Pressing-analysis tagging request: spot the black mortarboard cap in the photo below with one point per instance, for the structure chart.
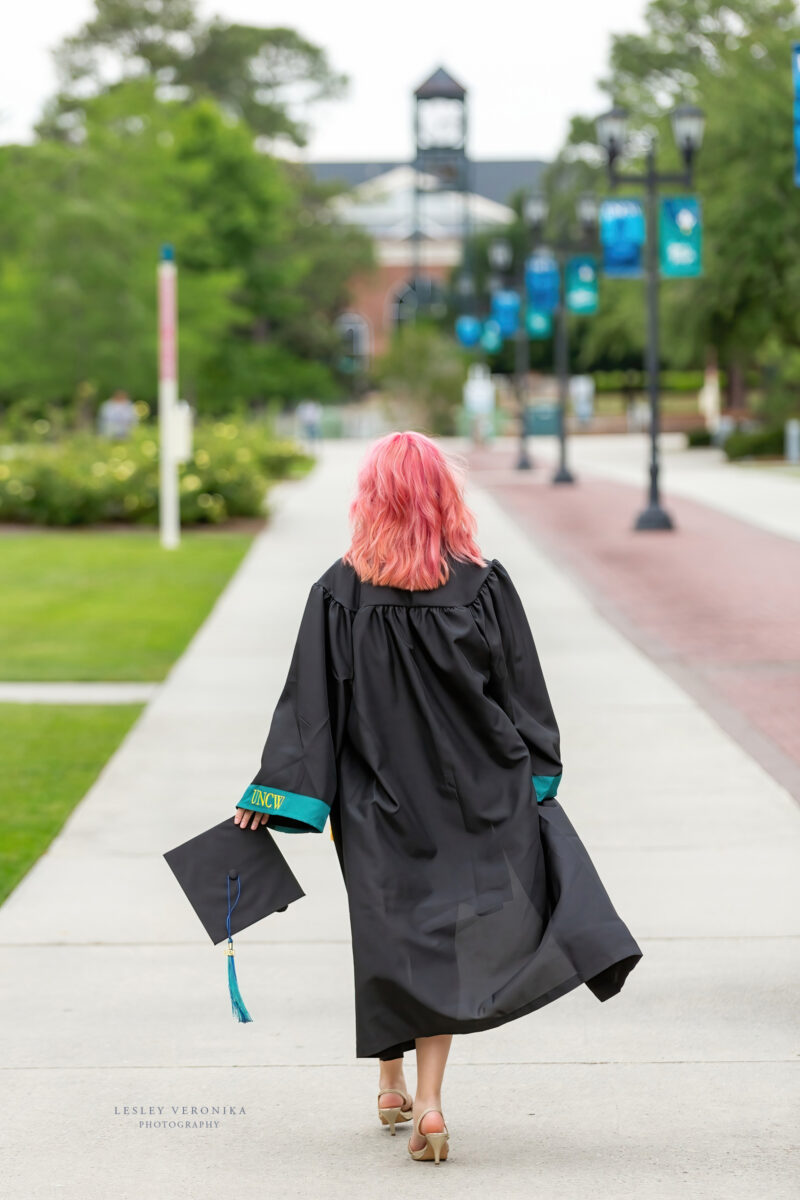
(232, 878)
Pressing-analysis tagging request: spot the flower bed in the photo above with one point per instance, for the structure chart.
(84, 479)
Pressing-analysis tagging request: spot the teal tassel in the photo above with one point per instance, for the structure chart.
(237, 1003)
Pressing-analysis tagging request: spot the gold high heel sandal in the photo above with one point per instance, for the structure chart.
(390, 1116)
(436, 1144)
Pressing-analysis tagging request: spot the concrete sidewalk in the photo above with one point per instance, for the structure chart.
(77, 693)
(714, 603)
(686, 1084)
(768, 499)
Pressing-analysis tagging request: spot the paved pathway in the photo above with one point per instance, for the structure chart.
(768, 499)
(716, 602)
(686, 1084)
(77, 693)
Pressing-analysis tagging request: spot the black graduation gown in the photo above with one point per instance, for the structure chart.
(420, 723)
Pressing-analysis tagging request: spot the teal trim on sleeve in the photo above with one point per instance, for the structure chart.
(545, 786)
(278, 804)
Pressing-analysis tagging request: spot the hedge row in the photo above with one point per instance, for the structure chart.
(743, 443)
(84, 479)
(753, 443)
(670, 381)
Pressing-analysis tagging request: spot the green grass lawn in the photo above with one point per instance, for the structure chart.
(106, 605)
(51, 754)
(789, 470)
(613, 403)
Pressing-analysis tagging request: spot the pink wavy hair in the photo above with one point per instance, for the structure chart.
(408, 515)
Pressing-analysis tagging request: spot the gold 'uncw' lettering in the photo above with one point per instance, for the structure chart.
(268, 799)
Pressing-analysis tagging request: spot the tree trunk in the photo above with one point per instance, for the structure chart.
(736, 388)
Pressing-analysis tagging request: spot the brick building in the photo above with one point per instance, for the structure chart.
(381, 200)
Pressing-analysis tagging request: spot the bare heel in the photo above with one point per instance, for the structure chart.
(436, 1144)
(390, 1116)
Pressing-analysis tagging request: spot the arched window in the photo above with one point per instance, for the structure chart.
(408, 299)
(356, 341)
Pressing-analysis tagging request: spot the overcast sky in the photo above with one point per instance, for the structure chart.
(527, 66)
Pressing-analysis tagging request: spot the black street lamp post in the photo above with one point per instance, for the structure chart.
(501, 257)
(534, 212)
(586, 209)
(687, 127)
(522, 366)
(562, 473)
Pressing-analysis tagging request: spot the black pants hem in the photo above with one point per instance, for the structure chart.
(396, 1051)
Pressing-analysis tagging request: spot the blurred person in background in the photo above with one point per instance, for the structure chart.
(309, 414)
(117, 416)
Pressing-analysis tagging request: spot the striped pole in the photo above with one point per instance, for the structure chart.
(169, 519)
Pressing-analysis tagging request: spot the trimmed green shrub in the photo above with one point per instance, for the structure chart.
(698, 437)
(86, 479)
(754, 443)
(670, 381)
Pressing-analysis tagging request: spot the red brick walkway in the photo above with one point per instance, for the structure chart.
(716, 601)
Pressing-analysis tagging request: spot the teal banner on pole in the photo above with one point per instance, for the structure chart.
(492, 336)
(580, 289)
(796, 109)
(680, 237)
(538, 323)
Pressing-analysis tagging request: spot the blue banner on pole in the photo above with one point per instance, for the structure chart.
(468, 330)
(542, 282)
(505, 310)
(796, 95)
(622, 233)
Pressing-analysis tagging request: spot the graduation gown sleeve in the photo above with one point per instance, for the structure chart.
(518, 680)
(297, 781)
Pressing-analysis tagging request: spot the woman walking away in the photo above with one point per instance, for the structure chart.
(415, 715)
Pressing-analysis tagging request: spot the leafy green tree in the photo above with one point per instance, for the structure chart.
(747, 301)
(77, 286)
(734, 61)
(257, 75)
(684, 42)
(80, 231)
(252, 72)
(426, 368)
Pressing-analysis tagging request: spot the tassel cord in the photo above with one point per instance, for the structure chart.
(237, 1003)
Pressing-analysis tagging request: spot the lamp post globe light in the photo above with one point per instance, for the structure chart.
(611, 128)
(465, 287)
(535, 210)
(688, 124)
(587, 209)
(500, 254)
